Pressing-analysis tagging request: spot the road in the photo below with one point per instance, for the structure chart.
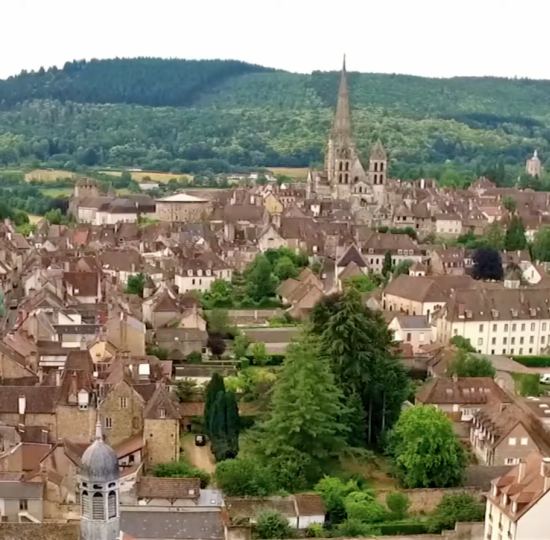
(199, 456)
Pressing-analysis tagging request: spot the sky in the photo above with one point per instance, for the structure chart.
(437, 38)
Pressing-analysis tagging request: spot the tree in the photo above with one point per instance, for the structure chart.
(135, 285)
(259, 352)
(245, 477)
(260, 283)
(470, 365)
(323, 310)
(403, 267)
(333, 491)
(426, 450)
(387, 267)
(398, 505)
(213, 388)
(221, 294)
(462, 343)
(240, 345)
(218, 428)
(218, 322)
(359, 347)
(55, 217)
(181, 469)
(362, 505)
(185, 390)
(272, 524)
(362, 284)
(305, 409)
(285, 269)
(494, 236)
(216, 344)
(515, 235)
(509, 203)
(487, 264)
(541, 245)
(460, 507)
(233, 424)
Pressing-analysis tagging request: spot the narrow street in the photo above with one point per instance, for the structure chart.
(199, 456)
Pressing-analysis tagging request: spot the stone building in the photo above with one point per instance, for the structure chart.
(533, 165)
(182, 208)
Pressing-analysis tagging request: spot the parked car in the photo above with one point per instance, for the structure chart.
(200, 440)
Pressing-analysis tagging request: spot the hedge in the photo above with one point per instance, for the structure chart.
(273, 359)
(401, 527)
(533, 361)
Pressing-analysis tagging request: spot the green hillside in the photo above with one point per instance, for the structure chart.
(190, 116)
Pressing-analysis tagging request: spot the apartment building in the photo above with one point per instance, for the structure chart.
(518, 503)
(498, 321)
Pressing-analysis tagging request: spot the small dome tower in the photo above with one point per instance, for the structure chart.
(99, 491)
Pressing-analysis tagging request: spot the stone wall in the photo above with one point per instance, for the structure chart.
(40, 531)
(162, 438)
(426, 500)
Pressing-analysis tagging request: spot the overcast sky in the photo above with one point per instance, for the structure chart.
(438, 38)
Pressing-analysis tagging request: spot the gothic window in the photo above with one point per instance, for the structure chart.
(376, 167)
(340, 178)
(341, 165)
(376, 179)
(347, 179)
(98, 509)
(382, 166)
(347, 165)
(111, 503)
(85, 504)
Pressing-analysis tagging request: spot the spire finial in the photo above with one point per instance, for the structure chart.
(535, 153)
(98, 430)
(344, 63)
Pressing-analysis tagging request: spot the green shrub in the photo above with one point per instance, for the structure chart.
(398, 504)
(316, 530)
(333, 491)
(245, 477)
(195, 357)
(454, 508)
(533, 361)
(181, 469)
(352, 528)
(362, 506)
(272, 524)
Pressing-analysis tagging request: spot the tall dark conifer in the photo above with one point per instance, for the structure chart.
(215, 386)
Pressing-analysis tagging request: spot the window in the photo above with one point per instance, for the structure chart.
(494, 327)
(513, 341)
(532, 327)
(512, 441)
(162, 413)
(108, 423)
(506, 328)
(514, 327)
(492, 351)
(494, 341)
(193, 281)
(23, 505)
(512, 351)
(98, 510)
(524, 441)
(481, 328)
(521, 340)
(510, 461)
(544, 327)
(521, 350)
(123, 403)
(111, 504)
(504, 341)
(85, 504)
(542, 339)
(408, 337)
(480, 341)
(523, 327)
(531, 340)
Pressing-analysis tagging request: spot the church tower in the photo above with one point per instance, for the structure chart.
(341, 154)
(99, 491)
(533, 166)
(378, 170)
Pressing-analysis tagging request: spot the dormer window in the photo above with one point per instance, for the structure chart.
(189, 272)
(514, 312)
(533, 312)
(199, 272)
(208, 272)
(162, 413)
(83, 400)
(400, 252)
(371, 250)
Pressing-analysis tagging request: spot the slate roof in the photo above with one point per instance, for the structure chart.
(171, 525)
(21, 490)
(465, 390)
(39, 399)
(151, 487)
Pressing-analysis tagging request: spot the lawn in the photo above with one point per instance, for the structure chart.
(35, 219)
(155, 176)
(298, 173)
(56, 193)
(47, 175)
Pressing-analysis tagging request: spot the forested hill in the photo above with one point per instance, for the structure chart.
(191, 116)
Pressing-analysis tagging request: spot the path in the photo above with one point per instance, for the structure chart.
(199, 456)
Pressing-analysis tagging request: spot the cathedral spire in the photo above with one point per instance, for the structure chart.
(341, 127)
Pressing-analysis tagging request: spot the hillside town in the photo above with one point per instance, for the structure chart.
(118, 326)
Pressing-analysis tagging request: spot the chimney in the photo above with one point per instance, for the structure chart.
(455, 378)
(58, 378)
(545, 472)
(521, 471)
(40, 375)
(67, 266)
(83, 346)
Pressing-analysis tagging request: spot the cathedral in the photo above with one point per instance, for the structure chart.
(344, 176)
